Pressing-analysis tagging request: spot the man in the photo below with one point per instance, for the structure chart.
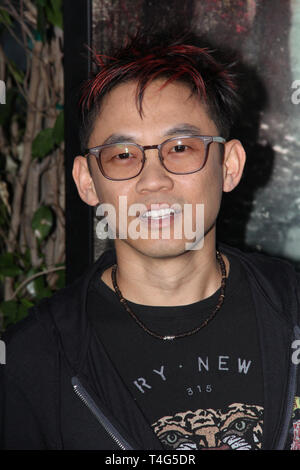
(170, 341)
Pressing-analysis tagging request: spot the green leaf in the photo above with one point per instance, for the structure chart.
(5, 18)
(41, 3)
(25, 259)
(45, 292)
(42, 222)
(38, 287)
(23, 308)
(43, 143)
(16, 73)
(30, 286)
(58, 130)
(26, 303)
(35, 286)
(8, 266)
(14, 311)
(54, 13)
(9, 309)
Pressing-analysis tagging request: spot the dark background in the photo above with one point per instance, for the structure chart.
(263, 212)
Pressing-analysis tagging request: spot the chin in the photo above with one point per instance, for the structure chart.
(159, 249)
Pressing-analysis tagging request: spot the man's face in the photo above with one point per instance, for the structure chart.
(169, 112)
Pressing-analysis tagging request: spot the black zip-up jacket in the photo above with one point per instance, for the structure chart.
(47, 401)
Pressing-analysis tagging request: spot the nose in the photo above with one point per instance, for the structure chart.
(154, 177)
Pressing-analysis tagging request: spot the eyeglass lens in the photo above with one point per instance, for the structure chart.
(183, 155)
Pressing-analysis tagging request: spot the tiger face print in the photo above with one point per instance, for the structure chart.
(237, 427)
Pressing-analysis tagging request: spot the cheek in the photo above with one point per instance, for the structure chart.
(214, 177)
(214, 185)
(106, 194)
(109, 192)
(206, 188)
(213, 195)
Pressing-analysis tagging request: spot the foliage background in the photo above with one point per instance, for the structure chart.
(32, 192)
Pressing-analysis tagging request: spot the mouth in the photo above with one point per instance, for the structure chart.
(160, 216)
(160, 212)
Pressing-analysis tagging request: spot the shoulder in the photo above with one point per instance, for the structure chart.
(33, 343)
(29, 352)
(57, 323)
(269, 266)
(274, 278)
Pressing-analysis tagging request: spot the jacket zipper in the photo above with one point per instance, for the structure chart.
(290, 399)
(101, 418)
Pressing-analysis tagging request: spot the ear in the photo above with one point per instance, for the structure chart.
(84, 181)
(233, 164)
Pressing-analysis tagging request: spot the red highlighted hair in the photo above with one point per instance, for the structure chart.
(145, 59)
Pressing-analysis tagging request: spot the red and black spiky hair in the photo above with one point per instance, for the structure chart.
(149, 57)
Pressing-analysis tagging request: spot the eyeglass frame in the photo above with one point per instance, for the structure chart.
(207, 139)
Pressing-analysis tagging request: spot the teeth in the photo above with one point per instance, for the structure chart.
(157, 214)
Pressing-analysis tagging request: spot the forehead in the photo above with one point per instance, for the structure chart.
(164, 107)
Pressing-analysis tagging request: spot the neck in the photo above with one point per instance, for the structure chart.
(180, 280)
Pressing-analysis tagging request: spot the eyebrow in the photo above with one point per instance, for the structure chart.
(180, 129)
(183, 128)
(118, 138)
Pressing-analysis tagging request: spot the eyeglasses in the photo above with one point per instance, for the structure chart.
(179, 155)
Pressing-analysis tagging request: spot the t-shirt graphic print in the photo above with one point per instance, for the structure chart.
(237, 427)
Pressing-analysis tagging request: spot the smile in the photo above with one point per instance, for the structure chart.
(158, 214)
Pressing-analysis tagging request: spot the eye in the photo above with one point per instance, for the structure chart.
(179, 148)
(123, 156)
(174, 439)
(171, 438)
(240, 425)
(120, 152)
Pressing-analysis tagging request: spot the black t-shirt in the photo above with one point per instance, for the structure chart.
(197, 392)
